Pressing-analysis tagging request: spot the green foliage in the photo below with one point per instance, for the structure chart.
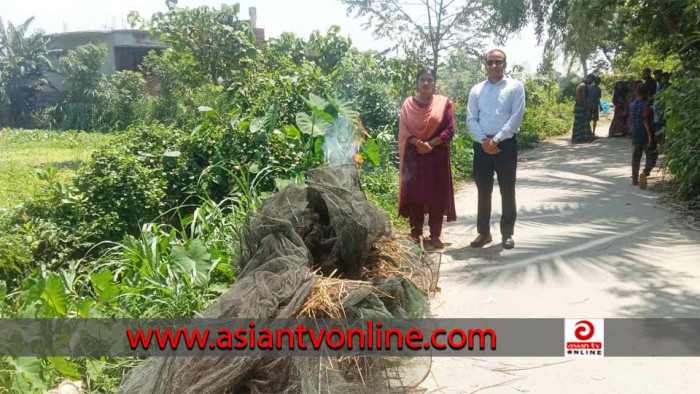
(287, 72)
(160, 274)
(178, 78)
(124, 100)
(23, 64)
(15, 254)
(568, 84)
(670, 26)
(77, 116)
(683, 131)
(641, 55)
(82, 69)
(444, 27)
(381, 184)
(95, 102)
(462, 156)
(22, 152)
(544, 116)
(328, 50)
(122, 189)
(43, 118)
(578, 30)
(221, 44)
(461, 73)
(363, 78)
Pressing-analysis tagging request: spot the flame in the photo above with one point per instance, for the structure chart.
(359, 159)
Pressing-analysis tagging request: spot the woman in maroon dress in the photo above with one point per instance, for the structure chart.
(426, 126)
(618, 127)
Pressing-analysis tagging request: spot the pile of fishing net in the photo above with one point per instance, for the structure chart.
(320, 251)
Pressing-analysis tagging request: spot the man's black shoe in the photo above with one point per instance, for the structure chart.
(508, 243)
(481, 240)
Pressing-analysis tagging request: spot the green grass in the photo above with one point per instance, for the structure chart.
(24, 151)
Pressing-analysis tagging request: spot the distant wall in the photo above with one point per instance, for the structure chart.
(125, 50)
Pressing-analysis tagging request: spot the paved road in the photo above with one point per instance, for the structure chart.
(588, 244)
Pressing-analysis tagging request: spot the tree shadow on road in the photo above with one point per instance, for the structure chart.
(589, 220)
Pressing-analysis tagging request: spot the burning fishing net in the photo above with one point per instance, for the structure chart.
(319, 251)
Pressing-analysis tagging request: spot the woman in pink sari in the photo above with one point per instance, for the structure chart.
(426, 126)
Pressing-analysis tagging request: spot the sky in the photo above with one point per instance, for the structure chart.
(276, 16)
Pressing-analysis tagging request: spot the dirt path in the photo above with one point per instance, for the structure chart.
(588, 244)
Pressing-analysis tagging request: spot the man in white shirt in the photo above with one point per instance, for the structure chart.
(495, 113)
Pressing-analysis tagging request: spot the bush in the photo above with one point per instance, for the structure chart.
(362, 77)
(381, 184)
(545, 121)
(683, 129)
(124, 192)
(177, 76)
(82, 69)
(43, 118)
(94, 101)
(124, 100)
(120, 188)
(462, 156)
(77, 116)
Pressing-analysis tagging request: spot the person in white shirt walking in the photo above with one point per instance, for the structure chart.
(495, 112)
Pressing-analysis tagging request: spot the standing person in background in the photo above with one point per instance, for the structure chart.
(657, 79)
(654, 99)
(648, 82)
(632, 96)
(618, 126)
(594, 106)
(581, 131)
(643, 139)
(426, 126)
(666, 80)
(494, 114)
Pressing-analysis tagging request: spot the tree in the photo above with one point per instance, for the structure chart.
(670, 26)
(439, 25)
(547, 74)
(461, 72)
(576, 28)
(23, 63)
(221, 44)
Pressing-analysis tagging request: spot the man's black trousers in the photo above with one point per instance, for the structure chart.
(649, 149)
(504, 164)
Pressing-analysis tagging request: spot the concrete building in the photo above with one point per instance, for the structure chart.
(126, 50)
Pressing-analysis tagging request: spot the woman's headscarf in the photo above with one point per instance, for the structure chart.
(418, 122)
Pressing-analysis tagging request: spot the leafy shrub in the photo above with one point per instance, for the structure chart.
(123, 192)
(381, 184)
(124, 100)
(43, 118)
(221, 44)
(683, 130)
(177, 77)
(363, 78)
(119, 188)
(544, 121)
(15, 253)
(462, 155)
(82, 68)
(77, 116)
